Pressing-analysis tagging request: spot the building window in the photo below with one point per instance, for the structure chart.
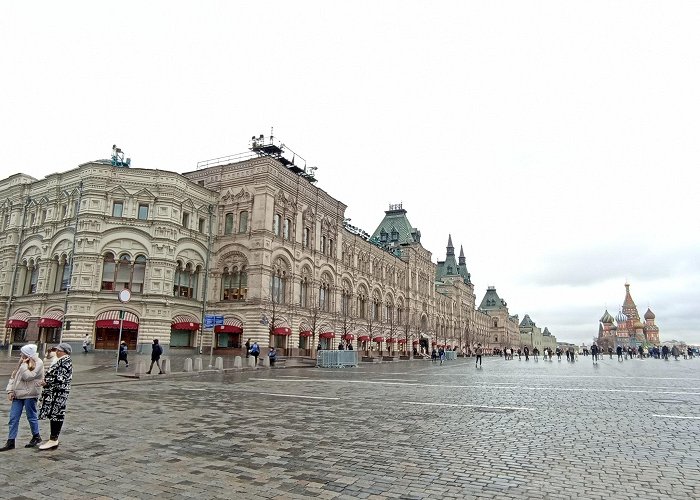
(278, 287)
(330, 247)
(345, 303)
(186, 281)
(394, 235)
(383, 236)
(117, 208)
(287, 226)
(32, 278)
(42, 217)
(495, 322)
(32, 218)
(362, 306)
(117, 275)
(63, 271)
(201, 183)
(201, 225)
(143, 211)
(376, 305)
(64, 209)
(234, 284)
(243, 222)
(228, 223)
(304, 292)
(186, 220)
(276, 224)
(323, 244)
(108, 268)
(305, 240)
(324, 299)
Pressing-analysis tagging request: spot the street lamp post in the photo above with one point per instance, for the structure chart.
(124, 297)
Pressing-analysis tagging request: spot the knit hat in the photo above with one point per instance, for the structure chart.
(29, 350)
(63, 346)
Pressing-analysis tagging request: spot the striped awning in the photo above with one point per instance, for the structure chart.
(282, 330)
(327, 335)
(231, 325)
(391, 340)
(363, 338)
(185, 322)
(18, 320)
(378, 339)
(402, 341)
(348, 336)
(306, 333)
(51, 319)
(110, 319)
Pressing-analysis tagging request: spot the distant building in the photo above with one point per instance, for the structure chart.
(627, 329)
(534, 337)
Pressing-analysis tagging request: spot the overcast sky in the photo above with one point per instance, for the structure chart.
(557, 141)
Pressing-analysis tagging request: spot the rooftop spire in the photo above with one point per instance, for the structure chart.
(462, 260)
(450, 248)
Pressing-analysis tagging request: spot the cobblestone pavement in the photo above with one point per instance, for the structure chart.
(392, 430)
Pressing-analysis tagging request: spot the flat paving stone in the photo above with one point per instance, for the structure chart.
(413, 430)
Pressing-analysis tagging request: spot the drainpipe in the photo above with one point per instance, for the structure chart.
(14, 271)
(72, 260)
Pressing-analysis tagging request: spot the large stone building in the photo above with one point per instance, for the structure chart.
(252, 240)
(627, 329)
(534, 337)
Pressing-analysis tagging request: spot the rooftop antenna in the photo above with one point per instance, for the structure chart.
(272, 134)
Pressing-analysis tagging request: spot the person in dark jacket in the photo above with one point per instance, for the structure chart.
(123, 354)
(156, 353)
(54, 397)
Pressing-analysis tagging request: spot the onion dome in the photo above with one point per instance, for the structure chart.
(649, 314)
(621, 318)
(607, 318)
(638, 324)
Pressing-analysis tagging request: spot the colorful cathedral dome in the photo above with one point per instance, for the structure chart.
(649, 314)
(621, 318)
(607, 318)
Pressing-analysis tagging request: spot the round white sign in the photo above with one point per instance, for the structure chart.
(125, 295)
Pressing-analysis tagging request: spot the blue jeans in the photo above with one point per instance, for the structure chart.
(16, 412)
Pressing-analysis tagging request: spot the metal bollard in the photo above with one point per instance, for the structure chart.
(251, 362)
(198, 364)
(9, 350)
(165, 365)
(188, 364)
(265, 362)
(237, 362)
(219, 363)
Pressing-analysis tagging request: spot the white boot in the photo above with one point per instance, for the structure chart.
(49, 444)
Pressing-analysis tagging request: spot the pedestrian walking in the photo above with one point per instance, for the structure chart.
(433, 355)
(610, 352)
(255, 352)
(123, 354)
(675, 352)
(594, 353)
(479, 354)
(441, 354)
(526, 351)
(535, 353)
(519, 354)
(619, 353)
(247, 348)
(23, 390)
(156, 353)
(568, 355)
(86, 343)
(54, 397)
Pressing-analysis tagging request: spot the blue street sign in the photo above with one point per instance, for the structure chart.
(218, 320)
(211, 320)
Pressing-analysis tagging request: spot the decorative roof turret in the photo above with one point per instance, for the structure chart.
(546, 332)
(450, 247)
(527, 322)
(621, 318)
(492, 301)
(607, 318)
(649, 314)
(462, 260)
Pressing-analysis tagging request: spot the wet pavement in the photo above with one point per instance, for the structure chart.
(411, 429)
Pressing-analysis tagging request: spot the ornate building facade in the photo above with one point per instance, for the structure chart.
(627, 329)
(252, 241)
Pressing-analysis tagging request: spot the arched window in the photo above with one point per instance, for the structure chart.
(346, 300)
(323, 244)
(123, 272)
(389, 312)
(362, 304)
(185, 282)
(307, 235)
(63, 272)
(234, 284)
(324, 298)
(139, 275)
(228, 223)
(108, 268)
(243, 222)
(304, 292)
(495, 322)
(279, 282)
(330, 247)
(287, 228)
(376, 308)
(32, 276)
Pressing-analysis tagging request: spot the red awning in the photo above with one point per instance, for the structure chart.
(363, 338)
(391, 340)
(231, 325)
(306, 333)
(18, 320)
(402, 341)
(51, 319)
(378, 339)
(327, 335)
(228, 329)
(110, 319)
(184, 322)
(415, 342)
(282, 330)
(348, 336)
